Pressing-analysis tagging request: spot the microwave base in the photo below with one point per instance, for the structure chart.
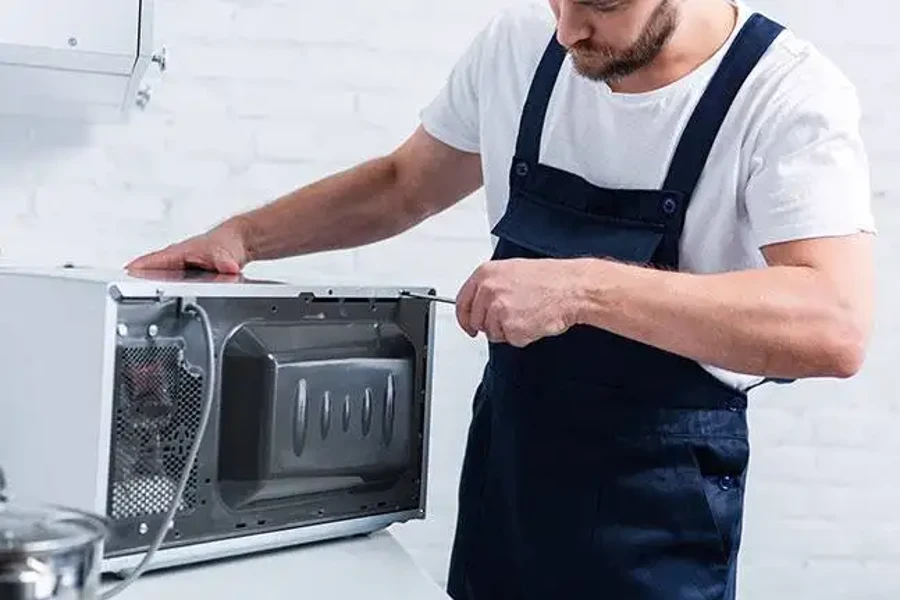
(121, 566)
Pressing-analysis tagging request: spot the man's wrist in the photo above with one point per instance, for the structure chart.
(242, 227)
(592, 281)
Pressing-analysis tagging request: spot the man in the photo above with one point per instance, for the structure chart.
(680, 203)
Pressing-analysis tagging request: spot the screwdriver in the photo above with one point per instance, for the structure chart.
(443, 299)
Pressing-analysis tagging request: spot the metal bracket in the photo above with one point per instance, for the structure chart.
(116, 294)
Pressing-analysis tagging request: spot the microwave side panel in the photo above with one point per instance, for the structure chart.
(428, 374)
(57, 373)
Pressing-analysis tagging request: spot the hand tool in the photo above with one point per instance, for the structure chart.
(434, 298)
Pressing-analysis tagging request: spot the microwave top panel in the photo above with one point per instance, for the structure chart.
(124, 284)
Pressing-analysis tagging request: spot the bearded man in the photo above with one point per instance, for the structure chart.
(679, 202)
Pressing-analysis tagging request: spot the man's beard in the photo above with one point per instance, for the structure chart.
(602, 63)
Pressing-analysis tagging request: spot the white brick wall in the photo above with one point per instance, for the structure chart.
(266, 95)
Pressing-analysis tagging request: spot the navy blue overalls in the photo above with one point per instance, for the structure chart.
(598, 467)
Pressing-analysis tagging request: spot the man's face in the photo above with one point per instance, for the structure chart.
(610, 39)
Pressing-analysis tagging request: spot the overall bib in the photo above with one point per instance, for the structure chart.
(598, 467)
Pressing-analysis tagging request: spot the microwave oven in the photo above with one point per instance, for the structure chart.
(257, 414)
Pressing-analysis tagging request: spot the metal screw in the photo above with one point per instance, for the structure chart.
(161, 58)
(143, 97)
(153, 330)
(122, 329)
(73, 41)
(143, 529)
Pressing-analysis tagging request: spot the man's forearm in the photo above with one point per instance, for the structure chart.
(365, 204)
(779, 322)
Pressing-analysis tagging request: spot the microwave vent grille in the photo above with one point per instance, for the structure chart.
(158, 405)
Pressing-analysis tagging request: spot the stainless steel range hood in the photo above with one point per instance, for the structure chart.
(83, 59)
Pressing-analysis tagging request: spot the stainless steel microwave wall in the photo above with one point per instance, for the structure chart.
(320, 418)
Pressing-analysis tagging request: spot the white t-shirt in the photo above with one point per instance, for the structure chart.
(788, 163)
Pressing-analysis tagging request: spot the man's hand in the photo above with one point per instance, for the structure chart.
(518, 301)
(222, 249)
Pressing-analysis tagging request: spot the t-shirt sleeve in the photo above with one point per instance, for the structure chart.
(809, 174)
(453, 115)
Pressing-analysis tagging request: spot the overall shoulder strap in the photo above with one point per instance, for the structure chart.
(693, 150)
(754, 39)
(531, 126)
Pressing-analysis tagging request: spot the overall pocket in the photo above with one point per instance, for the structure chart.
(562, 232)
(717, 468)
(677, 496)
(662, 521)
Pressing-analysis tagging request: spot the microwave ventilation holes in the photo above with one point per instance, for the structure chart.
(157, 413)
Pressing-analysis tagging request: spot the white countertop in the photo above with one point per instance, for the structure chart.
(376, 567)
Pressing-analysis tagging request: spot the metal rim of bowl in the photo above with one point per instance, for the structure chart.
(95, 527)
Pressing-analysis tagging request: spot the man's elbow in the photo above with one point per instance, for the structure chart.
(846, 347)
(847, 361)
